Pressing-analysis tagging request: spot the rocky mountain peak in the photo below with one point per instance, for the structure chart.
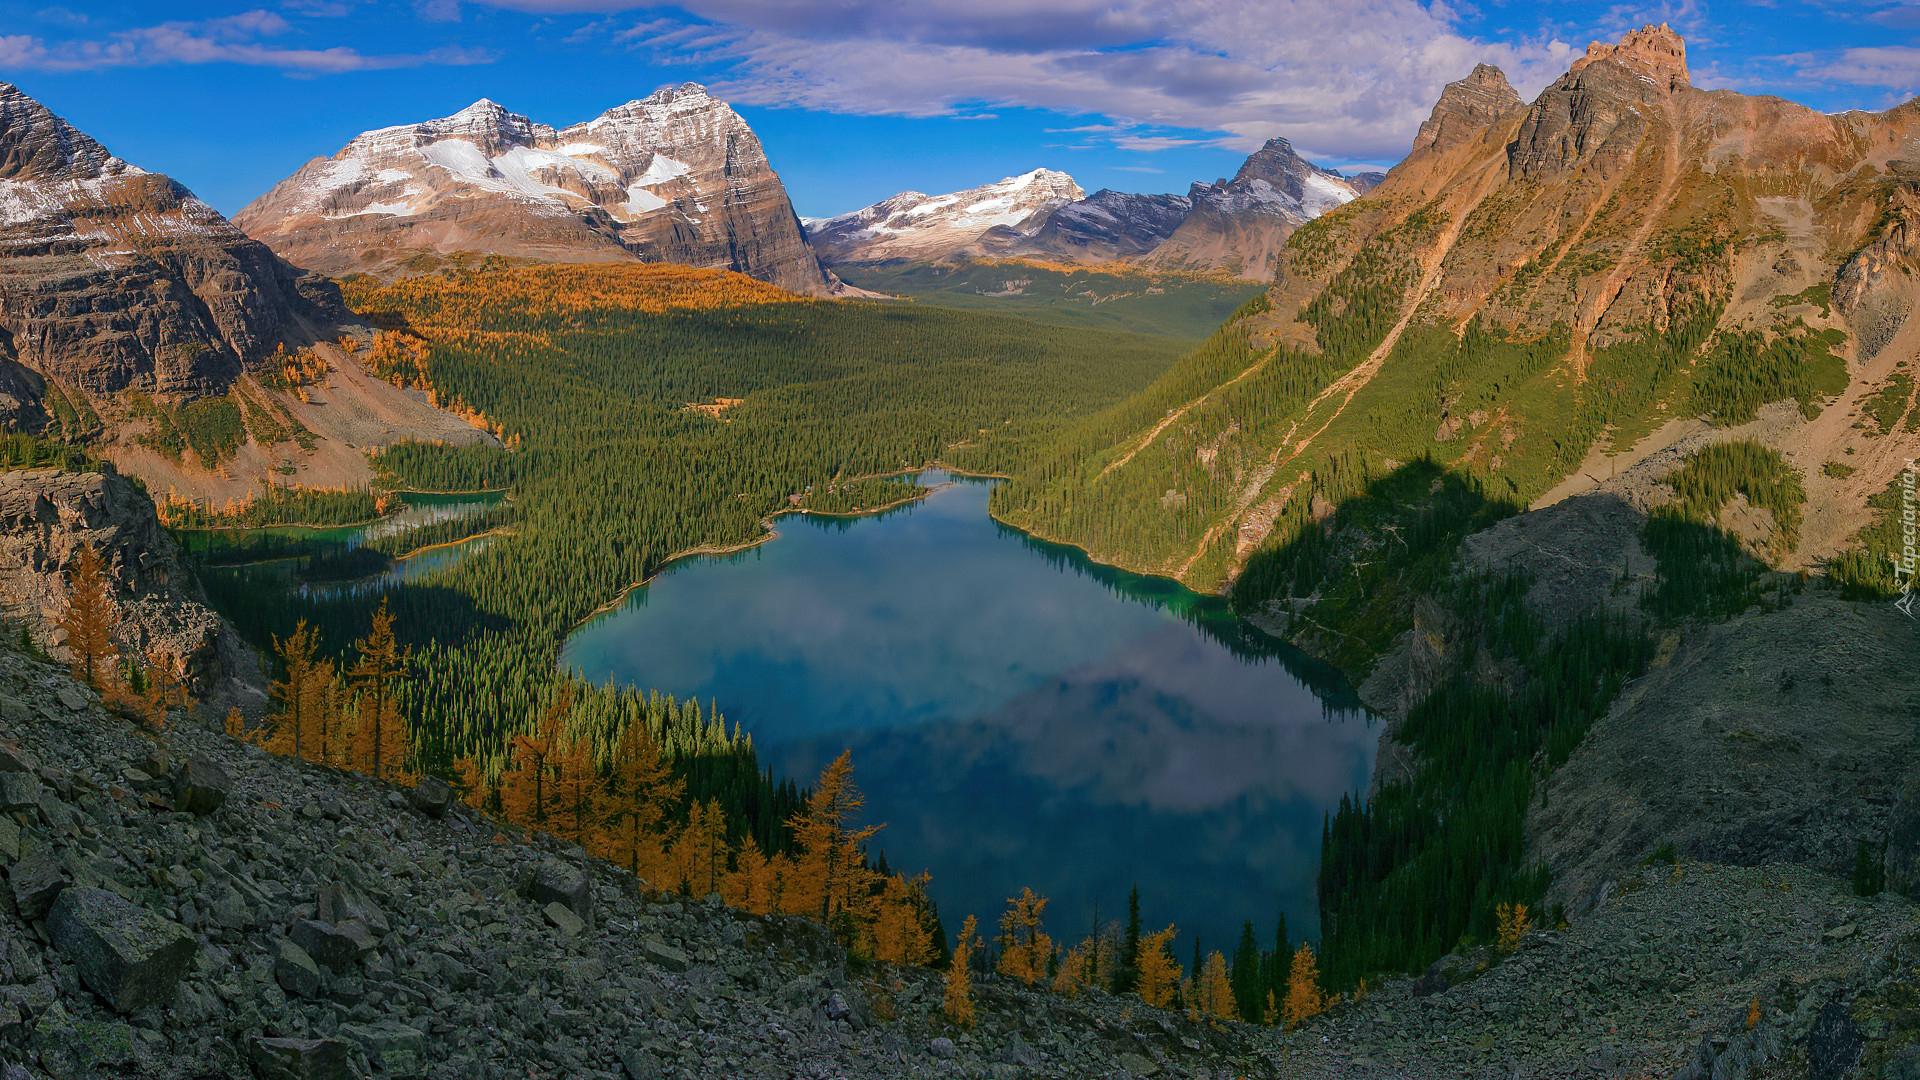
(914, 225)
(676, 176)
(37, 145)
(1465, 107)
(1651, 50)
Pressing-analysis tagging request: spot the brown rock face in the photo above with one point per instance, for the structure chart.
(45, 517)
(676, 177)
(113, 277)
(1466, 108)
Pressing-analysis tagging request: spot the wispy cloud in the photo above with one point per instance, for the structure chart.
(233, 39)
(1354, 78)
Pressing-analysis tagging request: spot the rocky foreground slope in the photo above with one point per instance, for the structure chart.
(184, 906)
(676, 177)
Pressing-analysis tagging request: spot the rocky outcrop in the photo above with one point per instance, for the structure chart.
(1242, 225)
(1466, 108)
(47, 515)
(676, 177)
(989, 219)
(113, 277)
(1874, 288)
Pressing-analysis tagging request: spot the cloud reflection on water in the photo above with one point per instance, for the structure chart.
(1014, 720)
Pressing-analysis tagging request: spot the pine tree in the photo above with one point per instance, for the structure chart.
(959, 997)
(1157, 972)
(1024, 949)
(90, 618)
(1249, 988)
(1129, 974)
(380, 740)
(1304, 999)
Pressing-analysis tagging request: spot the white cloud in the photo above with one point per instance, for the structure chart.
(233, 39)
(1353, 79)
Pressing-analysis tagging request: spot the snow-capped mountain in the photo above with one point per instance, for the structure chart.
(114, 277)
(674, 177)
(1240, 225)
(912, 225)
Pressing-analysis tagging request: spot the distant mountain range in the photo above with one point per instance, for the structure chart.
(1237, 225)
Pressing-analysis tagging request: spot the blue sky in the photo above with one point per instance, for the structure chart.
(858, 99)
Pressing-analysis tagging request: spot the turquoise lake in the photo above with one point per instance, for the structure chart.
(1018, 715)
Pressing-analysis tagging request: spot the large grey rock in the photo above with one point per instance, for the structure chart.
(14, 759)
(431, 797)
(331, 946)
(664, 954)
(301, 1059)
(200, 787)
(295, 971)
(35, 881)
(18, 791)
(395, 1049)
(340, 903)
(562, 917)
(563, 883)
(128, 955)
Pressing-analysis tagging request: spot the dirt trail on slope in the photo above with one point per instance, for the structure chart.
(1173, 417)
(1353, 381)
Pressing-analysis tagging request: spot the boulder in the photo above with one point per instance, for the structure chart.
(562, 916)
(431, 797)
(128, 955)
(335, 947)
(395, 1049)
(941, 1048)
(558, 882)
(295, 971)
(18, 791)
(36, 880)
(200, 787)
(301, 1059)
(14, 759)
(664, 954)
(340, 903)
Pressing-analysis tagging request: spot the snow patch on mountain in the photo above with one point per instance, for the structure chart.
(916, 225)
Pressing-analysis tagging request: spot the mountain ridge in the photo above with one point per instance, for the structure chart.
(677, 176)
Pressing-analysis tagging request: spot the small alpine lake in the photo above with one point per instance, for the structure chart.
(1018, 715)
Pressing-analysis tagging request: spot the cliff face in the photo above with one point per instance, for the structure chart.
(47, 515)
(674, 177)
(112, 277)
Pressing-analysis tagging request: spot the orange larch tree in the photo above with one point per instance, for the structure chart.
(900, 924)
(832, 881)
(90, 618)
(524, 791)
(1024, 949)
(380, 739)
(959, 997)
(1304, 998)
(1159, 972)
